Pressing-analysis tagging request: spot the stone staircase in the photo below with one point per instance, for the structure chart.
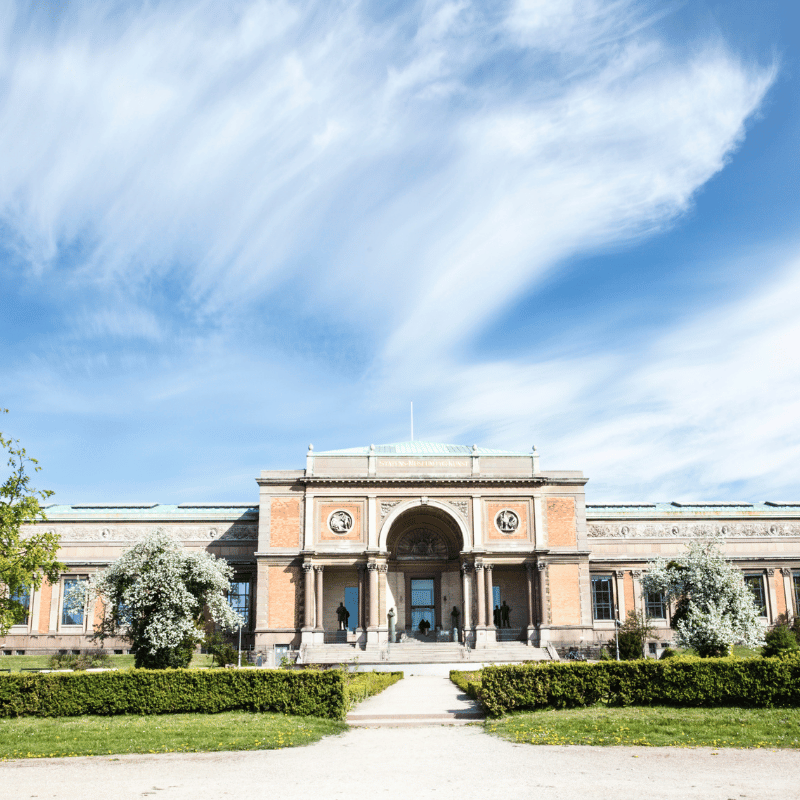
(414, 652)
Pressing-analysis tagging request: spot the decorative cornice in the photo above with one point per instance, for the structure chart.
(412, 480)
(689, 530)
(111, 533)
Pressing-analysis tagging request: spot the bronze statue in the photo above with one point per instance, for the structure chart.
(497, 616)
(342, 614)
(505, 610)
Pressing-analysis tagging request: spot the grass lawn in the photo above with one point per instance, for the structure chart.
(16, 663)
(654, 726)
(32, 737)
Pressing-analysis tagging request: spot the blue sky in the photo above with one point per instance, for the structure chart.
(229, 230)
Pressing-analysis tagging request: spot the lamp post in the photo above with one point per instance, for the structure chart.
(618, 625)
(240, 646)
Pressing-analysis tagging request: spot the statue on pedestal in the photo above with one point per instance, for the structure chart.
(342, 614)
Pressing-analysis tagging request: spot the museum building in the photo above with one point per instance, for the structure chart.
(370, 550)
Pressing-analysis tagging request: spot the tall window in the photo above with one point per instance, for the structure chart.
(239, 598)
(23, 597)
(655, 606)
(796, 579)
(602, 597)
(72, 607)
(756, 585)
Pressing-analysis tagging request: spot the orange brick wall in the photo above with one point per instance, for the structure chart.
(565, 598)
(98, 614)
(285, 591)
(780, 594)
(44, 606)
(326, 509)
(284, 526)
(561, 530)
(492, 510)
(627, 582)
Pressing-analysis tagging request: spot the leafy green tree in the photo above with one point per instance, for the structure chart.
(780, 639)
(632, 635)
(156, 596)
(26, 557)
(715, 608)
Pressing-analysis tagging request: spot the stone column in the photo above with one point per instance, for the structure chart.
(320, 618)
(529, 591)
(772, 599)
(544, 620)
(362, 599)
(481, 594)
(491, 630)
(466, 600)
(487, 571)
(306, 636)
(620, 593)
(788, 592)
(636, 574)
(372, 567)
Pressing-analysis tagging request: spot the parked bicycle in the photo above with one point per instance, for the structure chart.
(575, 654)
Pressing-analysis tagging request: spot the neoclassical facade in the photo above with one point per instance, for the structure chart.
(372, 546)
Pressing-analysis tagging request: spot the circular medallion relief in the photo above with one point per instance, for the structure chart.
(340, 521)
(507, 521)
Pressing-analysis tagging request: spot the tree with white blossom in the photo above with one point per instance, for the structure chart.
(156, 596)
(715, 608)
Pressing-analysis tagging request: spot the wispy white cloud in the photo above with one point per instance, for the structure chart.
(178, 172)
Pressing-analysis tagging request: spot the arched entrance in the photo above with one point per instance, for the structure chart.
(424, 543)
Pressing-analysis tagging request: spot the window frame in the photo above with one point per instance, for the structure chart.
(750, 578)
(26, 623)
(663, 605)
(248, 606)
(71, 626)
(596, 578)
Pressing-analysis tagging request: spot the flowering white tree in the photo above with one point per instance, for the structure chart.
(155, 595)
(715, 607)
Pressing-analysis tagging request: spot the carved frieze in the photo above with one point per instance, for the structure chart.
(462, 506)
(135, 533)
(386, 507)
(688, 530)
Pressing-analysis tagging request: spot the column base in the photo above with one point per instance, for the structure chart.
(544, 636)
(531, 636)
(485, 637)
(307, 636)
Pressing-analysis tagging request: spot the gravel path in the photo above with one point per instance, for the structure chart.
(441, 762)
(411, 762)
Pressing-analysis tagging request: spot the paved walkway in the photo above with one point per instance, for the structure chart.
(444, 763)
(414, 701)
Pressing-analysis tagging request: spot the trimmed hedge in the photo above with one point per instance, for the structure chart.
(707, 682)
(361, 685)
(468, 682)
(169, 691)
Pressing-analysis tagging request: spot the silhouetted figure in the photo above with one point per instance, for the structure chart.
(497, 616)
(504, 612)
(342, 614)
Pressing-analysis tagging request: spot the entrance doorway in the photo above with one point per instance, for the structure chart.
(423, 602)
(351, 604)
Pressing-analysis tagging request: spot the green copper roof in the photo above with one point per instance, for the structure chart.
(420, 449)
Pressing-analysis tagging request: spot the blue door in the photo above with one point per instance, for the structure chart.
(422, 602)
(351, 604)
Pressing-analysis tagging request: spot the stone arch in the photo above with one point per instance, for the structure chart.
(438, 508)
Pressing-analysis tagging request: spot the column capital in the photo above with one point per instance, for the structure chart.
(478, 566)
(787, 572)
(372, 566)
(466, 567)
(382, 567)
(488, 565)
(319, 567)
(541, 566)
(361, 568)
(308, 566)
(619, 573)
(770, 572)
(637, 573)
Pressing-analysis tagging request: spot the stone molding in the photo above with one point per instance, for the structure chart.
(689, 530)
(135, 533)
